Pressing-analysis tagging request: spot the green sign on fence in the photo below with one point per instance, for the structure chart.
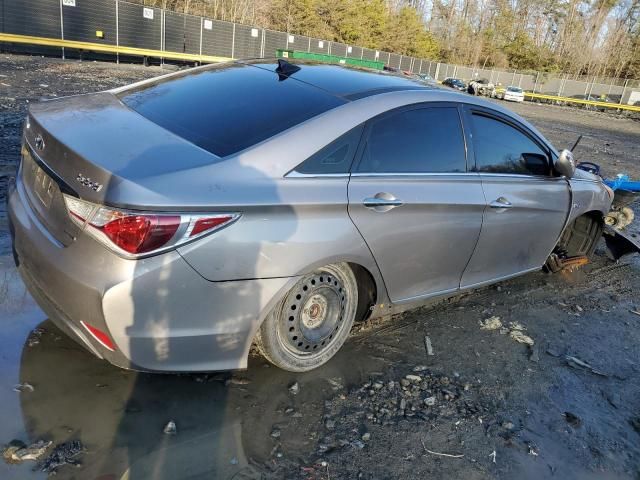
(324, 57)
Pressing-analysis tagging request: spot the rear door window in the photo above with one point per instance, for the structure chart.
(501, 148)
(419, 140)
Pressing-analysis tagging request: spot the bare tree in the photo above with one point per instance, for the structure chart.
(581, 37)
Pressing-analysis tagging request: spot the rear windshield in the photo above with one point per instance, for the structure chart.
(225, 110)
(514, 89)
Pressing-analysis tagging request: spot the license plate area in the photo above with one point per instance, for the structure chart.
(46, 200)
(43, 187)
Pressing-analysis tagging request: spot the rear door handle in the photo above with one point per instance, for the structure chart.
(501, 202)
(382, 202)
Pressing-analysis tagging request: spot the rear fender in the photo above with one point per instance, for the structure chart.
(364, 261)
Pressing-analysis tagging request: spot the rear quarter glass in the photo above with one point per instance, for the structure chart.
(225, 110)
(335, 158)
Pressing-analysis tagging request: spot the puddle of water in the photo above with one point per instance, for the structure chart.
(18, 315)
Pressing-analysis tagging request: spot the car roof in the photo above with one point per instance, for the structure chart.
(346, 81)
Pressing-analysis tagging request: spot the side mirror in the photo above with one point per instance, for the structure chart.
(564, 164)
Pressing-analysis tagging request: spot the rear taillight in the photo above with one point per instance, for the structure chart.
(142, 233)
(136, 234)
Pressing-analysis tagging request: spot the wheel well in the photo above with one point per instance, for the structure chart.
(367, 291)
(595, 215)
(581, 235)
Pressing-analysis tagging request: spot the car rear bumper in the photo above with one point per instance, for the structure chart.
(160, 313)
(513, 98)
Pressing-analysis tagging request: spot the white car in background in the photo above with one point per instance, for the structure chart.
(512, 94)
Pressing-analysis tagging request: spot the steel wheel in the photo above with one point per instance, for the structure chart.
(312, 321)
(316, 310)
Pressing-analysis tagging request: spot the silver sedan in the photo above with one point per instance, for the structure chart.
(171, 224)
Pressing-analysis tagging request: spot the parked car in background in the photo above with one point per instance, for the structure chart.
(595, 98)
(171, 224)
(599, 98)
(511, 94)
(425, 78)
(481, 87)
(455, 83)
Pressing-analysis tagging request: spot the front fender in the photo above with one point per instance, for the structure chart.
(588, 195)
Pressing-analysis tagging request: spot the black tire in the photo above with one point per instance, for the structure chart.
(579, 239)
(313, 320)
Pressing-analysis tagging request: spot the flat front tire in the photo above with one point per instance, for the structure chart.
(310, 324)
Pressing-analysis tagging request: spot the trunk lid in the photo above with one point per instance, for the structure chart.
(96, 145)
(95, 148)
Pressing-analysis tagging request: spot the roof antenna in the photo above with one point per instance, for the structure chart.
(285, 69)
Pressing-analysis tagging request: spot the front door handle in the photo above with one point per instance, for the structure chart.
(382, 202)
(501, 202)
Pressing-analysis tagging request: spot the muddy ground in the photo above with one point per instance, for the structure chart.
(482, 406)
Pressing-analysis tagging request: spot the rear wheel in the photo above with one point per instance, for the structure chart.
(310, 324)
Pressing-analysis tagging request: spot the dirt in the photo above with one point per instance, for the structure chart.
(482, 406)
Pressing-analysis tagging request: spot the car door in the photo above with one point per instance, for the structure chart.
(527, 205)
(413, 201)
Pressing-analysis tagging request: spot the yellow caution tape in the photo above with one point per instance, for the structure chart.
(595, 103)
(98, 47)
(616, 106)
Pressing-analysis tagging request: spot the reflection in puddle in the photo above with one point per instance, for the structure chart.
(218, 452)
(120, 415)
(223, 427)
